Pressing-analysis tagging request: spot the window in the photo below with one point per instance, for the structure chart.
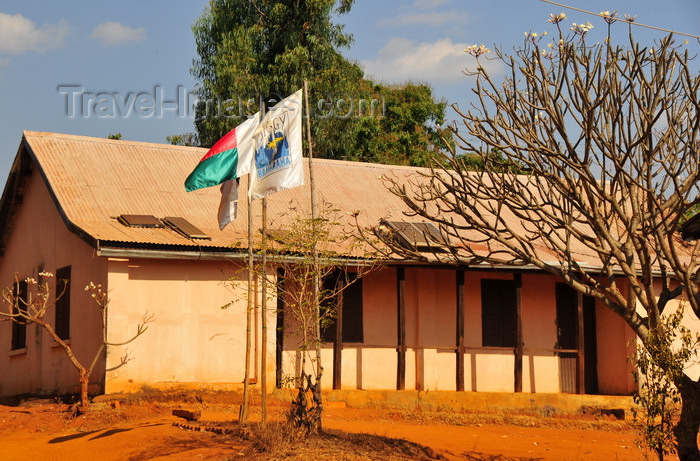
(19, 325)
(498, 313)
(62, 307)
(351, 313)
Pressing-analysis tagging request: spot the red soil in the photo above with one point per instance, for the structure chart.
(146, 431)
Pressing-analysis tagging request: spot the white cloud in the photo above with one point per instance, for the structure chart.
(112, 33)
(19, 35)
(432, 18)
(439, 62)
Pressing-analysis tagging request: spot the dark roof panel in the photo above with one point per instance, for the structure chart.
(185, 228)
(417, 235)
(139, 220)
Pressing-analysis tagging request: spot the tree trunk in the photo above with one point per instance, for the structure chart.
(317, 421)
(686, 430)
(305, 414)
(84, 380)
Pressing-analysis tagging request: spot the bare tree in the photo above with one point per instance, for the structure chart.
(597, 160)
(33, 309)
(292, 251)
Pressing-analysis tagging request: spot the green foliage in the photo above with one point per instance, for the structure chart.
(660, 364)
(247, 49)
(114, 136)
(407, 131)
(184, 139)
(690, 212)
(492, 160)
(266, 47)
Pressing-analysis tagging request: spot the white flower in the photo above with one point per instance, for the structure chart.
(608, 16)
(556, 18)
(477, 50)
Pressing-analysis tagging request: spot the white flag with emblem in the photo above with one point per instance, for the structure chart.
(278, 161)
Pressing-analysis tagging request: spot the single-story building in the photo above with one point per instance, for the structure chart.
(115, 213)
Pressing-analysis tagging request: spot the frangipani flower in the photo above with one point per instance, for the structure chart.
(608, 16)
(556, 18)
(477, 50)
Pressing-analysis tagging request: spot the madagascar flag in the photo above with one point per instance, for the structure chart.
(231, 157)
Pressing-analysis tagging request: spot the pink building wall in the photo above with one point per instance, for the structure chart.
(38, 238)
(193, 342)
(431, 338)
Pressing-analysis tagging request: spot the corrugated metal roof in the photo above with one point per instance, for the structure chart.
(96, 180)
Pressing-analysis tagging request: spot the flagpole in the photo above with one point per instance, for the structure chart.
(243, 417)
(263, 361)
(316, 290)
(251, 301)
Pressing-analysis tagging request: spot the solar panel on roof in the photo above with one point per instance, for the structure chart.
(416, 234)
(185, 228)
(139, 220)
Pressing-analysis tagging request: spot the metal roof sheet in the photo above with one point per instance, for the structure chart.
(96, 180)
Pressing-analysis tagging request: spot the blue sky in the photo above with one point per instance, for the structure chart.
(55, 54)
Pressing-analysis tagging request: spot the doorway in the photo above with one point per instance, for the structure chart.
(569, 326)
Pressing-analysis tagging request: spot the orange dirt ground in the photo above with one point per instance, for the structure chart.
(144, 431)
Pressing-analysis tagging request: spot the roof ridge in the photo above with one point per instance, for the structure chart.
(74, 137)
(155, 145)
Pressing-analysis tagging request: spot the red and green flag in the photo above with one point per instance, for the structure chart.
(230, 158)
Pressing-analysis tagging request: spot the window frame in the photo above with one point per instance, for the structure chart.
(353, 308)
(62, 306)
(498, 313)
(18, 340)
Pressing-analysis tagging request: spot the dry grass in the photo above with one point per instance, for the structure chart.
(513, 419)
(280, 441)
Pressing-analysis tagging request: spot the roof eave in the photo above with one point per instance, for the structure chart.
(12, 194)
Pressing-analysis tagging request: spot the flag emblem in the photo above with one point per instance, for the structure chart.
(277, 144)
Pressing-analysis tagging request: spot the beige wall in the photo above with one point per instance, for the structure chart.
(38, 237)
(191, 340)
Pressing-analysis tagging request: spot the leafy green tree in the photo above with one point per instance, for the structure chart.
(405, 130)
(248, 49)
(184, 139)
(659, 363)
